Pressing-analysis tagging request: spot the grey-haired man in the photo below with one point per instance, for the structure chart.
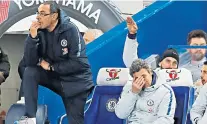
(146, 99)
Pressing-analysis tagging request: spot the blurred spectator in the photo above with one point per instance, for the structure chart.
(91, 34)
(196, 38)
(4, 66)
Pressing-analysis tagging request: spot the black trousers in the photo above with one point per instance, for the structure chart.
(21, 69)
(34, 76)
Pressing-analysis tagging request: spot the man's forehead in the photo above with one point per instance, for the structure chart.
(170, 58)
(204, 68)
(44, 8)
(197, 41)
(142, 71)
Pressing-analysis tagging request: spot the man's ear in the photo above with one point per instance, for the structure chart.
(55, 16)
(151, 72)
(159, 64)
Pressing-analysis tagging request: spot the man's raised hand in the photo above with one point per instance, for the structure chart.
(131, 25)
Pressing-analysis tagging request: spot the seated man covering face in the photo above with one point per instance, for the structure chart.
(145, 100)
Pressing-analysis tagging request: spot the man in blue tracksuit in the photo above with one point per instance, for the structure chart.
(54, 57)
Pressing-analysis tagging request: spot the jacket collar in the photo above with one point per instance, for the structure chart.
(63, 23)
(153, 86)
(154, 78)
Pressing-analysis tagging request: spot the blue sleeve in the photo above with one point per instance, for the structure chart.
(132, 36)
(31, 51)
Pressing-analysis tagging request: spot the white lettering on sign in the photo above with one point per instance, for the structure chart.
(28, 3)
(80, 6)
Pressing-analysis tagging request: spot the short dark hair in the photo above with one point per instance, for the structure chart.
(54, 8)
(205, 63)
(197, 34)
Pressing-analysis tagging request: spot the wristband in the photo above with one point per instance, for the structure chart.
(51, 68)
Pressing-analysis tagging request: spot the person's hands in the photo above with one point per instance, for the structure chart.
(131, 25)
(45, 65)
(137, 84)
(33, 29)
(2, 79)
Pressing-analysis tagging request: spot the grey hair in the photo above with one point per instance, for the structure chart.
(54, 8)
(137, 65)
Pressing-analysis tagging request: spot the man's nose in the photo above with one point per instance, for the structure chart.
(171, 65)
(199, 50)
(37, 17)
(202, 74)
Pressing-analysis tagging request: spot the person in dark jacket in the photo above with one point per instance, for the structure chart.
(4, 66)
(55, 57)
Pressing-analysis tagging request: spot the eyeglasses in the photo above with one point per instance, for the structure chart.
(42, 14)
